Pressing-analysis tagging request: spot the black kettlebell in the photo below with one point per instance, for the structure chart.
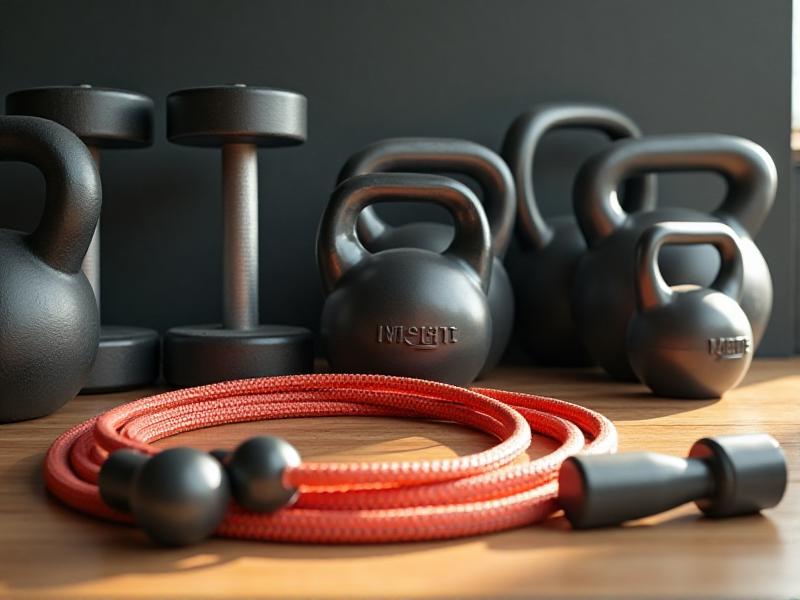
(49, 325)
(406, 311)
(689, 341)
(543, 270)
(445, 155)
(603, 296)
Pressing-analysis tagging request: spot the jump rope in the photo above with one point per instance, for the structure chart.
(354, 502)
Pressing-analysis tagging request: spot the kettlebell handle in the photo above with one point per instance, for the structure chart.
(339, 247)
(73, 194)
(440, 155)
(653, 291)
(747, 168)
(522, 141)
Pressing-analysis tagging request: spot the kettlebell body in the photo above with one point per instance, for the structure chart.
(689, 341)
(544, 322)
(603, 297)
(438, 339)
(543, 270)
(49, 323)
(444, 155)
(406, 311)
(436, 237)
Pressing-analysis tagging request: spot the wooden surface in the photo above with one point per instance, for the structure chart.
(51, 552)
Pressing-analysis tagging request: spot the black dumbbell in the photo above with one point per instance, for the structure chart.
(725, 476)
(239, 119)
(181, 495)
(127, 357)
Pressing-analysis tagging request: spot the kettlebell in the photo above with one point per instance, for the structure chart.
(406, 311)
(689, 341)
(542, 271)
(49, 326)
(451, 156)
(604, 297)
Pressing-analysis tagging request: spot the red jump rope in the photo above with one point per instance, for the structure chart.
(359, 501)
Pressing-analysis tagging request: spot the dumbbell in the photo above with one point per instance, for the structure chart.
(239, 119)
(127, 357)
(725, 476)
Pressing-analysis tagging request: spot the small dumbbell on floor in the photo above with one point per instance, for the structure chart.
(239, 119)
(725, 476)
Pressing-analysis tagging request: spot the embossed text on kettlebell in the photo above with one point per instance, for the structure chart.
(419, 338)
(727, 348)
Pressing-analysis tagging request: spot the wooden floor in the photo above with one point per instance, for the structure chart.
(51, 552)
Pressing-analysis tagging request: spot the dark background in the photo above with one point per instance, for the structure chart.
(373, 69)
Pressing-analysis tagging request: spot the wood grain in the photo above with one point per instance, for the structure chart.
(51, 552)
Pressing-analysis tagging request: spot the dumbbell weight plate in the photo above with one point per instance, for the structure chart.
(101, 117)
(127, 358)
(202, 354)
(213, 116)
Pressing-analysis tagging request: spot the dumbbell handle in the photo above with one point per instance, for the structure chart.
(240, 238)
(91, 262)
(596, 491)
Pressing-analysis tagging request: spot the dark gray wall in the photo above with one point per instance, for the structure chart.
(373, 69)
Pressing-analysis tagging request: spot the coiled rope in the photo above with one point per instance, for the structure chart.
(355, 502)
